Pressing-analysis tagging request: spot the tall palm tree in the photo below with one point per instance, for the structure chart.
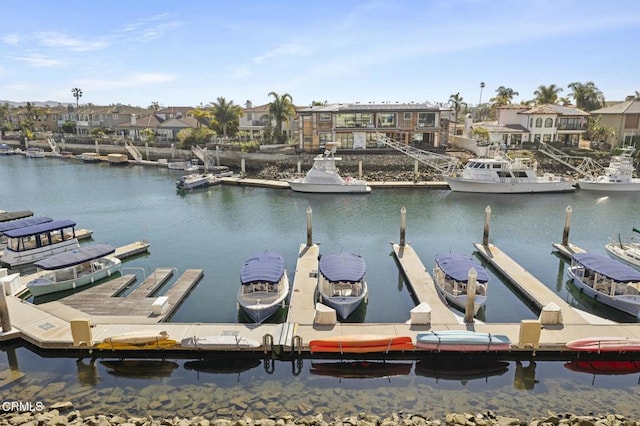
(201, 115)
(281, 109)
(504, 96)
(155, 106)
(77, 93)
(457, 104)
(588, 97)
(225, 113)
(547, 94)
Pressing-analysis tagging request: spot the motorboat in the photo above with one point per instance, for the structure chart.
(501, 174)
(35, 153)
(185, 165)
(196, 180)
(627, 252)
(451, 273)
(73, 269)
(6, 149)
(341, 282)
(264, 286)
(618, 176)
(323, 177)
(607, 281)
(19, 223)
(117, 160)
(462, 341)
(33, 243)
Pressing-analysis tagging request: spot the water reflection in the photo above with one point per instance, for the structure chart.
(140, 368)
(525, 376)
(360, 369)
(461, 370)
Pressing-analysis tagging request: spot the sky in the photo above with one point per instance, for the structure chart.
(190, 53)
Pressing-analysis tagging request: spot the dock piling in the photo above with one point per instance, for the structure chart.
(299, 167)
(403, 226)
(309, 228)
(242, 167)
(567, 225)
(487, 220)
(4, 311)
(471, 293)
(360, 169)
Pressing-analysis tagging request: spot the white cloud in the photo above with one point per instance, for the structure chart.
(39, 61)
(151, 28)
(12, 39)
(283, 50)
(55, 39)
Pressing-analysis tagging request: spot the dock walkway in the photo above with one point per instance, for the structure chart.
(528, 285)
(301, 303)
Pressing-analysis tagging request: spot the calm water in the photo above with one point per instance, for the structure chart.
(218, 228)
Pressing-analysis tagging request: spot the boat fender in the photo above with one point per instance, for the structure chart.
(73, 285)
(92, 280)
(108, 272)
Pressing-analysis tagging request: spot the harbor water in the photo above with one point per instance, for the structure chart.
(217, 228)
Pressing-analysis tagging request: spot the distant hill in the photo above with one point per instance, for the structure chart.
(34, 103)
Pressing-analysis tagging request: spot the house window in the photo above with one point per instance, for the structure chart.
(531, 122)
(387, 120)
(546, 138)
(325, 116)
(426, 119)
(548, 122)
(407, 116)
(354, 120)
(538, 122)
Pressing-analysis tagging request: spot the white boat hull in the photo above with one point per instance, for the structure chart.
(345, 306)
(460, 301)
(46, 284)
(20, 258)
(610, 186)
(507, 187)
(625, 303)
(260, 306)
(300, 186)
(628, 253)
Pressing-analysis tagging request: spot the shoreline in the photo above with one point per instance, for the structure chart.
(63, 413)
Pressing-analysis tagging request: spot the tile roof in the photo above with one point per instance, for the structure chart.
(626, 107)
(555, 109)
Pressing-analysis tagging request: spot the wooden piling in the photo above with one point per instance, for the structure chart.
(567, 225)
(487, 220)
(309, 228)
(360, 169)
(471, 296)
(403, 226)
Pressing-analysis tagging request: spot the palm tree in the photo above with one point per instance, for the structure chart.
(504, 96)
(588, 97)
(225, 113)
(457, 104)
(77, 93)
(547, 94)
(155, 106)
(281, 109)
(201, 115)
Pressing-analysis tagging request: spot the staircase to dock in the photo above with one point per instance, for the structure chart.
(133, 150)
(205, 156)
(54, 146)
(585, 166)
(444, 164)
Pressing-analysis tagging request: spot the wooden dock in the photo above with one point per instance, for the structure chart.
(529, 286)
(568, 249)
(261, 183)
(302, 305)
(422, 285)
(133, 249)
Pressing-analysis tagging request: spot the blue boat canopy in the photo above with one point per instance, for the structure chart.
(608, 267)
(23, 223)
(343, 267)
(262, 267)
(38, 229)
(457, 266)
(75, 257)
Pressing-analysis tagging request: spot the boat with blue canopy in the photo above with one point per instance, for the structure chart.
(451, 273)
(606, 280)
(74, 269)
(264, 286)
(341, 282)
(19, 223)
(33, 243)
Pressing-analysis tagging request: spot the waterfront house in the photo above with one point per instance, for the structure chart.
(355, 125)
(624, 118)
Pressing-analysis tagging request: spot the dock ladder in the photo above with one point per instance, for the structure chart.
(53, 145)
(203, 155)
(444, 164)
(131, 149)
(587, 166)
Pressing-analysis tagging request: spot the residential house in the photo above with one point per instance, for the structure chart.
(355, 125)
(624, 118)
(42, 118)
(88, 117)
(546, 123)
(255, 121)
(165, 129)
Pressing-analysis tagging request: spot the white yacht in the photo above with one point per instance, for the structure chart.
(324, 178)
(504, 175)
(618, 176)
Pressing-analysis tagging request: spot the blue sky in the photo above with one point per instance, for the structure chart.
(187, 53)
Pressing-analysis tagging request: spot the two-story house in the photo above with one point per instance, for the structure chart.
(543, 123)
(624, 118)
(87, 117)
(355, 125)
